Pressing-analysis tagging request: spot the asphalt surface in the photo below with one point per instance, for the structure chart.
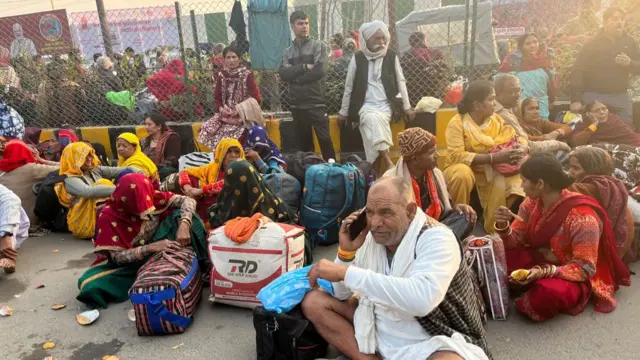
(223, 332)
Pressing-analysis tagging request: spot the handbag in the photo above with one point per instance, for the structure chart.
(487, 254)
(507, 169)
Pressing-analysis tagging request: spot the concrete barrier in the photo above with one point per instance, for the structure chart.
(280, 130)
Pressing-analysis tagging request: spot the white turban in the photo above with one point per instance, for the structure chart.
(367, 30)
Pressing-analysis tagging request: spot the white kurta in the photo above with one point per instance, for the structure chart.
(399, 300)
(375, 114)
(23, 46)
(13, 218)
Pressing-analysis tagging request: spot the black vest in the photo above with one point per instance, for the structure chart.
(361, 80)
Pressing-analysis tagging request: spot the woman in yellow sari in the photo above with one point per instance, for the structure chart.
(130, 154)
(204, 183)
(86, 187)
(471, 135)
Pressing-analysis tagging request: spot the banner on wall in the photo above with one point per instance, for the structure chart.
(42, 33)
(141, 29)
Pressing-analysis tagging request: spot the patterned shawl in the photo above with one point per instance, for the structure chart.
(258, 140)
(234, 85)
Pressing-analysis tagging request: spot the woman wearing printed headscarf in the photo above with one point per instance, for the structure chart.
(418, 167)
(374, 79)
(86, 187)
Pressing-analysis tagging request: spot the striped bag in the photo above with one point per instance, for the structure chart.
(166, 292)
(194, 159)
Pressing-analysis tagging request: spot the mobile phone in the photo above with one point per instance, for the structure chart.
(357, 226)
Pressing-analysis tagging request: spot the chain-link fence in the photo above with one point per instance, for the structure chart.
(167, 58)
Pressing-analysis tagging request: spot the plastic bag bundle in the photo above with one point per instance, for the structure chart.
(287, 291)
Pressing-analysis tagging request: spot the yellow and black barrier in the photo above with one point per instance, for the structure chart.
(281, 131)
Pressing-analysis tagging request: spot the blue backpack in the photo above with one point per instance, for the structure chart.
(331, 193)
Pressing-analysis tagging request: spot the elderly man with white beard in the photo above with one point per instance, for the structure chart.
(374, 80)
(21, 46)
(401, 288)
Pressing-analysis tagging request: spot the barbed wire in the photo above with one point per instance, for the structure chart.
(50, 72)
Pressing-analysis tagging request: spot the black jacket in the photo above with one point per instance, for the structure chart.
(109, 80)
(595, 69)
(306, 88)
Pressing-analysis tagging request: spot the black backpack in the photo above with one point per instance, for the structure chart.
(48, 209)
(299, 162)
(365, 167)
(286, 336)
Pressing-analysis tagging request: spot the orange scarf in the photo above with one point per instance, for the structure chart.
(435, 209)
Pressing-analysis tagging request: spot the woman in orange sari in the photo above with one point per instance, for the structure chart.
(562, 245)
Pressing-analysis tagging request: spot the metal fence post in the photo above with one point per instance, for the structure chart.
(466, 34)
(196, 42)
(474, 27)
(104, 26)
(187, 84)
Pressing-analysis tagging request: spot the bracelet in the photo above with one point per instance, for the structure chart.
(548, 270)
(495, 226)
(491, 158)
(593, 127)
(346, 255)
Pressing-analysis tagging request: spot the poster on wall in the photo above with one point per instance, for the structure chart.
(42, 33)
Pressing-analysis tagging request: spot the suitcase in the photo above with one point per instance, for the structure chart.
(286, 336)
(166, 293)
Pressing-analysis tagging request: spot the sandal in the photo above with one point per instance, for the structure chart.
(9, 256)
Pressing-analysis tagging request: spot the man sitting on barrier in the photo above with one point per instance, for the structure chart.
(415, 295)
(418, 168)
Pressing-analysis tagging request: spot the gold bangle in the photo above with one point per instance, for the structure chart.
(593, 127)
(491, 158)
(495, 226)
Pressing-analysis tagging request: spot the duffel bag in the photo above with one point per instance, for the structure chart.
(286, 336)
(285, 187)
(166, 292)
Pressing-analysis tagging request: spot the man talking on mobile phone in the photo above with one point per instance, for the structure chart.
(401, 288)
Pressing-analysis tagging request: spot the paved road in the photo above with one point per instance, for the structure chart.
(222, 332)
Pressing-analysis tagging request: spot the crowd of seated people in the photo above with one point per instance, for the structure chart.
(572, 233)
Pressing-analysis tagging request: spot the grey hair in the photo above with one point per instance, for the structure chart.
(500, 81)
(401, 186)
(102, 61)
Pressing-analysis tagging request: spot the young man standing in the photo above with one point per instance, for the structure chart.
(304, 66)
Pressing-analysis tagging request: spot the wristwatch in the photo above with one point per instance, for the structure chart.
(5, 234)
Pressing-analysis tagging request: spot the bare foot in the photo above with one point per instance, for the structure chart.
(8, 265)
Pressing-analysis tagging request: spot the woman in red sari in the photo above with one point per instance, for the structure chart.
(135, 223)
(565, 242)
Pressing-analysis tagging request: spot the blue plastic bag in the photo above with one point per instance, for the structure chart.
(287, 291)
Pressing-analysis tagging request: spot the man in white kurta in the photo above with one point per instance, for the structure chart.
(14, 228)
(400, 268)
(22, 46)
(375, 113)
